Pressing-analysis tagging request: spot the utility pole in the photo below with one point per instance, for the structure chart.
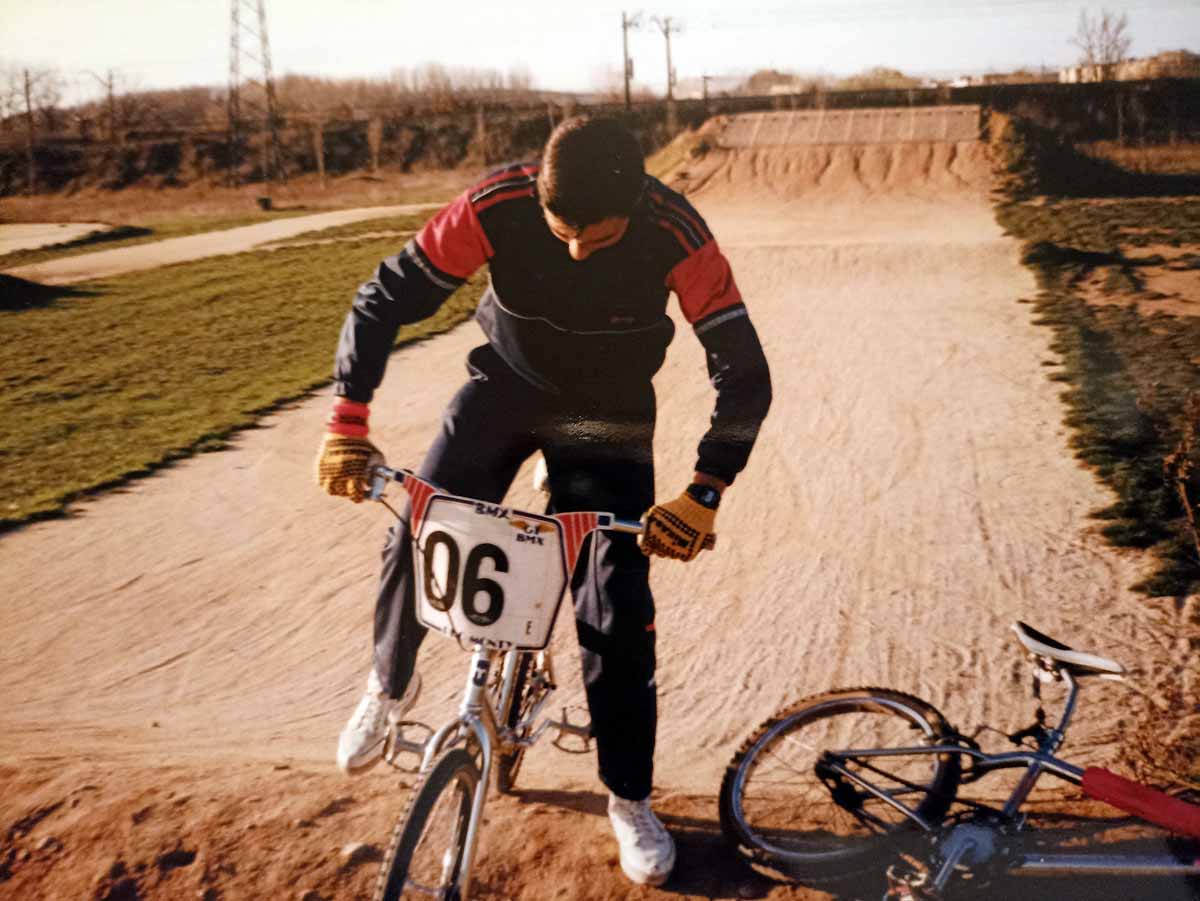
(667, 27)
(626, 24)
(109, 85)
(29, 133)
(262, 103)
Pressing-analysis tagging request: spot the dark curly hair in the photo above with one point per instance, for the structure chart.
(592, 169)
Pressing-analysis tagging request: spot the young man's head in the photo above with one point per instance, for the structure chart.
(591, 177)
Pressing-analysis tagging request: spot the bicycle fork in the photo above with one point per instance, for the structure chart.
(475, 718)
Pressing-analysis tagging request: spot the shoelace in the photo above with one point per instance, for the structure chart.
(374, 709)
(646, 826)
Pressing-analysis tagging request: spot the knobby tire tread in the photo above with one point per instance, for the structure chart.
(877, 849)
(411, 825)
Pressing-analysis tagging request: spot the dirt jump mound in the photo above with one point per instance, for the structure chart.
(840, 154)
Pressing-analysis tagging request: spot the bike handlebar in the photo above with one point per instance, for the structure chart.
(381, 475)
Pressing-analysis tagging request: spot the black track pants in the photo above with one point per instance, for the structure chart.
(598, 452)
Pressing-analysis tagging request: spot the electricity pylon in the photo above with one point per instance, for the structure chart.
(252, 88)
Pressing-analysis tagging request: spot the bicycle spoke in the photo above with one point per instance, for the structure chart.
(792, 805)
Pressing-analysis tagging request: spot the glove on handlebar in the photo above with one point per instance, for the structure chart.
(343, 466)
(679, 529)
(346, 456)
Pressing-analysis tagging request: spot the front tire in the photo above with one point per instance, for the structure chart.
(425, 857)
(786, 812)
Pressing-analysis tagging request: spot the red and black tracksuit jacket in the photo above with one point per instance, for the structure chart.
(568, 326)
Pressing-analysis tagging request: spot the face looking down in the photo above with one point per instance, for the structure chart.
(583, 242)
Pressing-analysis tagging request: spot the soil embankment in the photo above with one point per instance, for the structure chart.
(181, 654)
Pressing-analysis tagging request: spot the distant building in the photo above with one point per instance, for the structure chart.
(1021, 76)
(1169, 64)
(1087, 73)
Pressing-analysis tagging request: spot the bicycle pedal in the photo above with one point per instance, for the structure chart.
(572, 738)
(405, 749)
(906, 882)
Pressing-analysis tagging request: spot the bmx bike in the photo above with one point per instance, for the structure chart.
(504, 618)
(849, 781)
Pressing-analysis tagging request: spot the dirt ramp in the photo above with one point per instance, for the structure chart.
(833, 171)
(879, 125)
(835, 155)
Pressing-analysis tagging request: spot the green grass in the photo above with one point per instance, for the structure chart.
(401, 224)
(109, 379)
(1128, 376)
(1131, 380)
(128, 235)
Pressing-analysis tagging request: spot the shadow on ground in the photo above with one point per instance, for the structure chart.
(17, 294)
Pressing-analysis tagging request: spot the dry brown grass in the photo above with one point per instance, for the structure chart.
(147, 206)
(1165, 159)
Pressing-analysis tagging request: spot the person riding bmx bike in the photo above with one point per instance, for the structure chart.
(584, 249)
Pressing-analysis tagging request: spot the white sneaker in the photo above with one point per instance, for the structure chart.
(647, 850)
(360, 745)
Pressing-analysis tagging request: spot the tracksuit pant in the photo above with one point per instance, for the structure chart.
(598, 450)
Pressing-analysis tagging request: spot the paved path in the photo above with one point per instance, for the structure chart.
(31, 235)
(107, 263)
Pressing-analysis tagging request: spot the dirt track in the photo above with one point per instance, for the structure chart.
(173, 644)
(29, 235)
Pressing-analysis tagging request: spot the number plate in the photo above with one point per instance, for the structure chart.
(489, 573)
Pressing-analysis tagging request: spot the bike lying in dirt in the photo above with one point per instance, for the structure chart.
(493, 578)
(853, 780)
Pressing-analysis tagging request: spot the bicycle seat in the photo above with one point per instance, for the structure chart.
(1077, 662)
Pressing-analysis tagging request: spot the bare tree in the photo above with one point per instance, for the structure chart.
(1103, 40)
(12, 97)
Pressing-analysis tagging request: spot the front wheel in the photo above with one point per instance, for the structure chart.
(425, 857)
(793, 800)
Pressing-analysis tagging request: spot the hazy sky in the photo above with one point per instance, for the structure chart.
(565, 45)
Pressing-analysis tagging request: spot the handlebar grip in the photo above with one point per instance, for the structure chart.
(380, 476)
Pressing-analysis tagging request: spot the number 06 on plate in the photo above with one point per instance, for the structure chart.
(491, 574)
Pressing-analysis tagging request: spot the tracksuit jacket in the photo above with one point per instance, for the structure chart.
(570, 326)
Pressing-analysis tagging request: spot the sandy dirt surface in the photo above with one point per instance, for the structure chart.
(180, 654)
(31, 235)
(119, 260)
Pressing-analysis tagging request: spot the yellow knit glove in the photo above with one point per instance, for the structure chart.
(343, 466)
(679, 529)
(346, 456)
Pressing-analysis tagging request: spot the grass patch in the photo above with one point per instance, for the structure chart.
(402, 224)
(686, 147)
(114, 378)
(1180, 158)
(128, 235)
(1129, 377)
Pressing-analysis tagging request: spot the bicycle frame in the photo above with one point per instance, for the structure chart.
(975, 844)
(477, 718)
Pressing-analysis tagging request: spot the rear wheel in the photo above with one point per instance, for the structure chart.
(425, 857)
(787, 810)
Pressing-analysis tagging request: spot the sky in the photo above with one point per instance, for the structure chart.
(564, 45)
